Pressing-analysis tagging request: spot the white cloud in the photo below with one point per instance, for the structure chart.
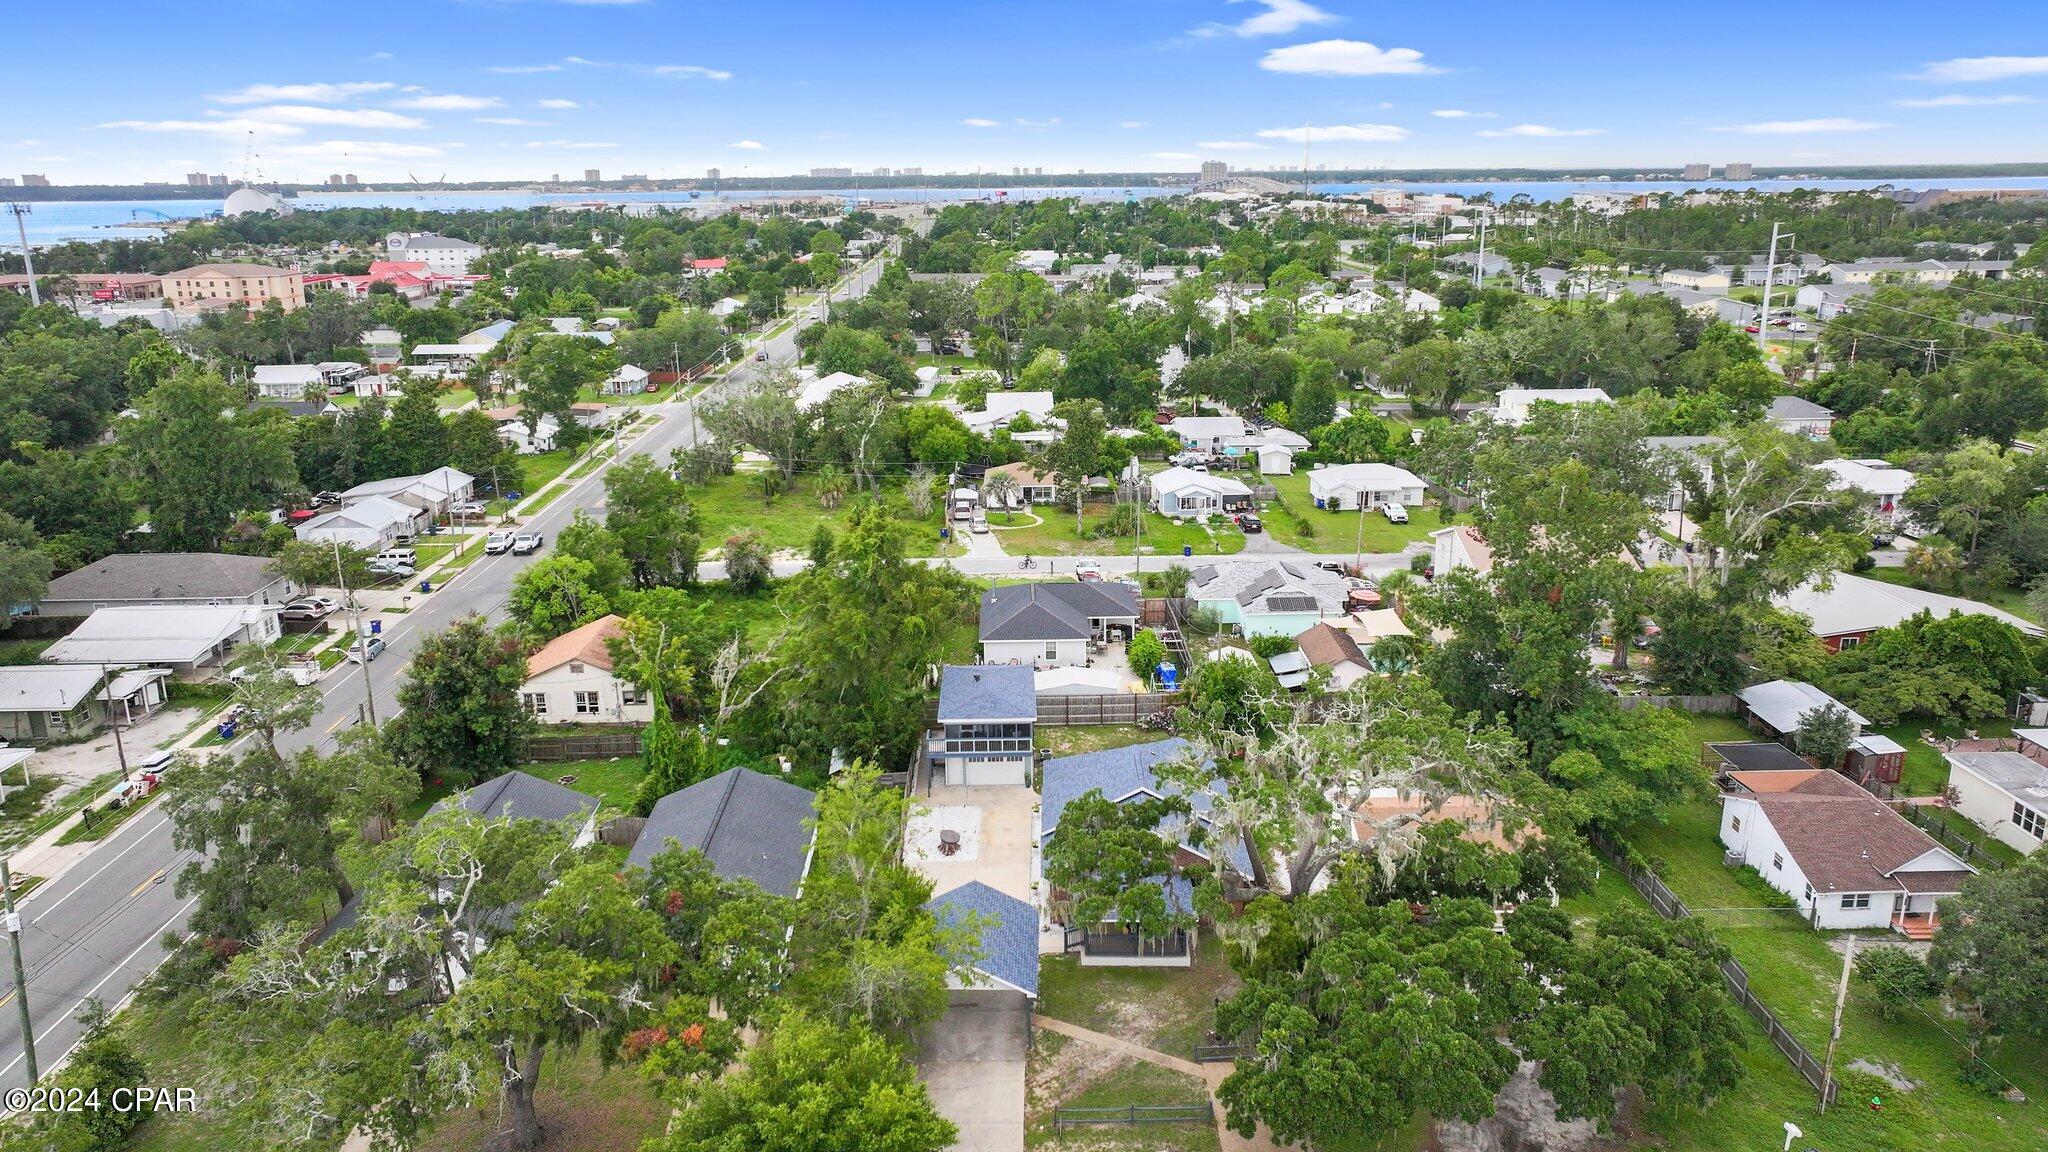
(1801, 127)
(1174, 156)
(557, 103)
(1961, 101)
(513, 121)
(1542, 131)
(572, 144)
(692, 70)
(524, 69)
(981, 122)
(228, 127)
(355, 149)
(333, 117)
(448, 102)
(749, 145)
(1462, 114)
(1969, 69)
(1346, 58)
(1130, 124)
(1048, 122)
(1349, 133)
(1279, 18)
(310, 93)
(1230, 145)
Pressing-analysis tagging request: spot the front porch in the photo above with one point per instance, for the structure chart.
(1107, 945)
(1915, 925)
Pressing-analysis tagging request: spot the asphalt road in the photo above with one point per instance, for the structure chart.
(97, 931)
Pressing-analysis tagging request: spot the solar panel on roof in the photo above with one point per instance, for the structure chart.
(1291, 603)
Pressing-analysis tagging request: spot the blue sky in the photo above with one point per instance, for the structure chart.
(520, 89)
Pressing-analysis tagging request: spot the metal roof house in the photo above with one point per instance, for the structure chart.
(2004, 793)
(185, 639)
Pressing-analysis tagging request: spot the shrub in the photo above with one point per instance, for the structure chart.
(1899, 978)
(1146, 651)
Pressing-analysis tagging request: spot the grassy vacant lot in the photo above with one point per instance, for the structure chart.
(1069, 1074)
(536, 469)
(1166, 1009)
(730, 505)
(1338, 531)
(1074, 739)
(2013, 600)
(1055, 534)
(1794, 969)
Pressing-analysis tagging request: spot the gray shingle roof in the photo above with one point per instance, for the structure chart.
(969, 692)
(1009, 934)
(521, 797)
(1796, 408)
(747, 823)
(178, 575)
(1057, 611)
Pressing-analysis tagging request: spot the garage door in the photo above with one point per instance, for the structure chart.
(994, 772)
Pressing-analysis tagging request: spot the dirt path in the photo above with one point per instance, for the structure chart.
(1211, 1075)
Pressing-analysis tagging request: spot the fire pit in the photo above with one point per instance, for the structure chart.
(949, 841)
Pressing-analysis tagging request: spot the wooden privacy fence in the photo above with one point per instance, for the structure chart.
(1669, 906)
(1203, 1113)
(593, 746)
(622, 831)
(1697, 705)
(1112, 709)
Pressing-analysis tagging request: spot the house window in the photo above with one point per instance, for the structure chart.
(576, 667)
(1052, 649)
(1735, 823)
(1809, 894)
(1847, 642)
(535, 703)
(633, 694)
(1855, 900)
(586, 704)
(2029, 821)
(1777, 861)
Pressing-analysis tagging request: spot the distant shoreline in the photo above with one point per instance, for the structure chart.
(1894, 174)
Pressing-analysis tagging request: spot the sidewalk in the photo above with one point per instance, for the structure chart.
(1211, 1075)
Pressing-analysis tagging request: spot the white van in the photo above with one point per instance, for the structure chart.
(391, 556)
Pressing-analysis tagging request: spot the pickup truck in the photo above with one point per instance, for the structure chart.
(527, 542)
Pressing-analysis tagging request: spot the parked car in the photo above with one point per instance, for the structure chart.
(1395, 513)
(527, 542)
(497, 542)
(396, 556)
(762, 355)
(513, 495)
(156, 761)
(391, 569)
(1247, 522)
(1797, 326)
(372, 646)
(1088, 570)
(468, 508)
(1751, 329)
(979, 524)
(311, 608)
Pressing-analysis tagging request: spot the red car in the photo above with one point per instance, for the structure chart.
(1751, 329)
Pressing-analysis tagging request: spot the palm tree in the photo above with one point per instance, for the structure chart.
(997, 487)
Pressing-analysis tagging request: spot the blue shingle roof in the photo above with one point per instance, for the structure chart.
(1009, 933)
(1119, 774)
(969, 692)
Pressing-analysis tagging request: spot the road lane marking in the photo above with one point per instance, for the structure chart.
(53, 906)
(144, 886)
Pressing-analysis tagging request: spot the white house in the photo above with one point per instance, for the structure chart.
(435, 491)
(2004, 793)
(1881, 485)
(1830, 300)
(374, 523)
(571, 681)
(1184, 492)
(1800, 416)
(287, 381)
(1341, 486)
(184, 638)
(444, 255)
(1707, 280)
(1512, 405)
(1039, 260)
(1459, 547)
(726, 308)
(1209, 433)
(628, 380)
(1844, 858)
(1336, 651)
(1003, 407)
(816, 391)
(383, 346)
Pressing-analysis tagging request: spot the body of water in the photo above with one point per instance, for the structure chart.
(55, 221)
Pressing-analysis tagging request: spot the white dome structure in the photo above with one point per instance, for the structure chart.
(244, 201)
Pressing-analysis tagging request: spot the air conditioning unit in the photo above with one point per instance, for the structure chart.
(2030, 709)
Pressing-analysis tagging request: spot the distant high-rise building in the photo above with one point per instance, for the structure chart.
(910, 171)
(832, 173)
(1697, 171)
(879, 172)
(34, 180)
(711, 173)
(334, 179)
(1214, 169)
(1737, 172)
(6, 181)
(590, 176)
(637, 176)
(196, 179)
(217, 180)
(349, 178)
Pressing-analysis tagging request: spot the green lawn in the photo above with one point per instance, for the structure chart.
(1166, 1009)
(454, 398)
(1130, 1081)
(536, 469)
(1339, 531)
(1793, 969)
(1074, 739)
(2013, 600)
(612, 781)
(1056, 534)
(729, 505)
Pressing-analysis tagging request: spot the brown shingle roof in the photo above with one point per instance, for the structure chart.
(1843, 838)
(1327, 647)
(585, 644)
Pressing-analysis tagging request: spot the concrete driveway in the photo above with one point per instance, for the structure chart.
(972, 1063)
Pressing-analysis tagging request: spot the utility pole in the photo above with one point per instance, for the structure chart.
(120, 752)
(28, 260)
(1827, 1068)
(1138, 506)
(13, 919)
(1763, 319)
(355, 611)
(1358, 548)
(1479, 269)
